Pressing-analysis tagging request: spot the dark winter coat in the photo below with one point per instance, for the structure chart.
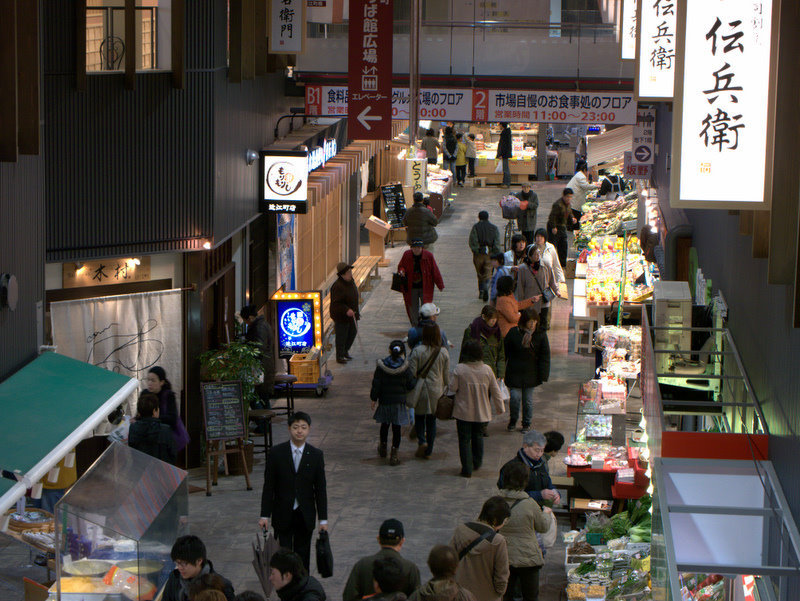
(392, 381)
(526, 367)
(538, 475)
(150, 436)
(430, 276)
(168, 414)
(558, 216)
(359, 583)
(305, 589)
(526, 222)
(504, 144)
(484, 238)
(260, 332)
(344, 296)
(174, 590)
(420, 224)
(441, 590)
(494, 354)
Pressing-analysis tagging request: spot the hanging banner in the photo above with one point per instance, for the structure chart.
(628, 30)
(655, 57)
(127, 334)
(287, 26)
(490, 105)
(417, 175)
(724, 105)
(370, 70)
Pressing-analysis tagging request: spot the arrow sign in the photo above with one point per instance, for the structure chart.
(364, 117)
(642, 154)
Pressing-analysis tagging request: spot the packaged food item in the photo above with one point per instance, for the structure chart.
(130, 585)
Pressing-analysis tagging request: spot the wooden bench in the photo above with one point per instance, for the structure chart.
(364, 270)
(479, 182)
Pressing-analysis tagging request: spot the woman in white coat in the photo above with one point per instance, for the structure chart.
(430, 364)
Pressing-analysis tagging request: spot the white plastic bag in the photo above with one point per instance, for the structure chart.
(549, 537)
(505, 394)
(120, 433)
(498, 168)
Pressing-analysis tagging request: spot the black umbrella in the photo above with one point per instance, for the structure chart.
(263, 549)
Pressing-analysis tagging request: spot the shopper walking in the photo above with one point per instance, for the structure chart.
(289, 576)
(527, 518)
(539, 487)
(526, 221)
(391, 382)
(500, 269)
(443, 564)
(476, 394)
(157, 383)
(535, 278)
(422, 274)
(420, 222)
(508, 307)
(484, 241)
(485, 331)
(429, 362)
(549, 256)
(472, 154)
(560, 216)
(516, 254)
(580, 185)
(260, 332)
(449, 150)
(428, 315)
(431, 147)
(504, 153)
(483, 552)
(344, 311)
(461, 160)
(527, 366)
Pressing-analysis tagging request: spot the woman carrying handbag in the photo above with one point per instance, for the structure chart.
(430, 364)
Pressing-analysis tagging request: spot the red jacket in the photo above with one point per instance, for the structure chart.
(430, 275)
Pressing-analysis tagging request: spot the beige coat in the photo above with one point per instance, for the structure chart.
(436, 380)
(520, 531)
(476, 390)
(484, 570)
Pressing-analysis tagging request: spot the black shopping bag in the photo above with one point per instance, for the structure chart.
(324, 555)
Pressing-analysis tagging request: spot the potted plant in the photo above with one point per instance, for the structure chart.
(237, 360)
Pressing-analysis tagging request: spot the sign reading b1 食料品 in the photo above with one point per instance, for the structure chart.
(284, 181)
(724, 105)
(370, 70)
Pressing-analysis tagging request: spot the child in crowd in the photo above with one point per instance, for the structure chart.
(500, 269)
(390, 384)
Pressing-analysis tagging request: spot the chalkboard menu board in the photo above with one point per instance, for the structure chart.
(394, 204)
(222, 409)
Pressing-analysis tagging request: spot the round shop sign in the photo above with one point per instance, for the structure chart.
(295, 322)
(283, 179)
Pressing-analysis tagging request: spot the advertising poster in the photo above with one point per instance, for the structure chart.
(295, 326)
(286, 251)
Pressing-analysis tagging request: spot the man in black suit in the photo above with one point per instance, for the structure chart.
(294, 489)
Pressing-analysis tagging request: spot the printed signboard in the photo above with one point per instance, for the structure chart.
(285, 181)
(299, 320)
(656, 43)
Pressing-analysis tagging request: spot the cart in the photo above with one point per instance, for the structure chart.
(308, 367)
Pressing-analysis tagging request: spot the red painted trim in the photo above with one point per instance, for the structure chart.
(708, 445)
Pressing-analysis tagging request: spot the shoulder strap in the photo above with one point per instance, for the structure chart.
(517, 502)
(423, 373)
(486, 535)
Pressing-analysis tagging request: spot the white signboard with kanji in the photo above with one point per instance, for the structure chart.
(529, 106)
(656, 38)
(643, 147)
(286, 26)
(628, 30)
(724, 112)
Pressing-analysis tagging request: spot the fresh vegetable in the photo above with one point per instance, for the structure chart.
(709, 580)
(640, 533)
(581, 548)
(640, 509)
(631, 582)
(586, 567)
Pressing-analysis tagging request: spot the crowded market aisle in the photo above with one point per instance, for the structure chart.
(429, 497)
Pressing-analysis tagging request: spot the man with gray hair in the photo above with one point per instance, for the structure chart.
(540, 487)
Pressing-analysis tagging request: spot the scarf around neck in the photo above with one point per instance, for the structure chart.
(479, 328)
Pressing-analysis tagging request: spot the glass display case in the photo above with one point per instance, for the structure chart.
(115, 528)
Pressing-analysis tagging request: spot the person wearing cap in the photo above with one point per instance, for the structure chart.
(484, 238)
(344, 311)
(428, 314)
(422, 274)
(420, 222)
(391, 538)
(560, 217)
(526, 221)
(390, 384)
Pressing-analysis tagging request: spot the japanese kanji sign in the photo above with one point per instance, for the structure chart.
(104, 272)
(643, 148)
(656, 39)
(633, 170)
(284, 181)
(444, 104)
(370, 70)
(628, 30)
(724, 112)
(287, 25)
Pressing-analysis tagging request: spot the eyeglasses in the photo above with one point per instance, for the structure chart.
(537, 449)
(183, 564)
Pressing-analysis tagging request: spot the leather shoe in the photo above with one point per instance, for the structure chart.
(348, 357)
(341, 360)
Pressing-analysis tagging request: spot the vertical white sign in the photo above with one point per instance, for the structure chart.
(724, 110)
(657, 43)
(643, 148)
(286, 26)
(628, 33)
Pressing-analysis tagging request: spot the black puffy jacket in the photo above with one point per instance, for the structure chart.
(149, 435)
(305, 589)
(391, 382)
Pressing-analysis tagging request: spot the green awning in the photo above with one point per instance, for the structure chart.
(47, 407)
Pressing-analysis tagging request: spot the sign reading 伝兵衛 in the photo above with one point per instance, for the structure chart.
(724, 105)
(526, 106)
(287, 22)
(285, 181)
(656, 39)
(370, 70)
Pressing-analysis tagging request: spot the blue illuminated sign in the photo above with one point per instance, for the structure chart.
(296, 331)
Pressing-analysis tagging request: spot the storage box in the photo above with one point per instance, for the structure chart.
(306, 367)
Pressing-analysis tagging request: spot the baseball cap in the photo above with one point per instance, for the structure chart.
(391, 529)
(429, 310)
(342, 267)
(417, 242)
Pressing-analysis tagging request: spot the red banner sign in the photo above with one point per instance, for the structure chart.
(370, 70)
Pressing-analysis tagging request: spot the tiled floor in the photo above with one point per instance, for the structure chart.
(428, 497)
